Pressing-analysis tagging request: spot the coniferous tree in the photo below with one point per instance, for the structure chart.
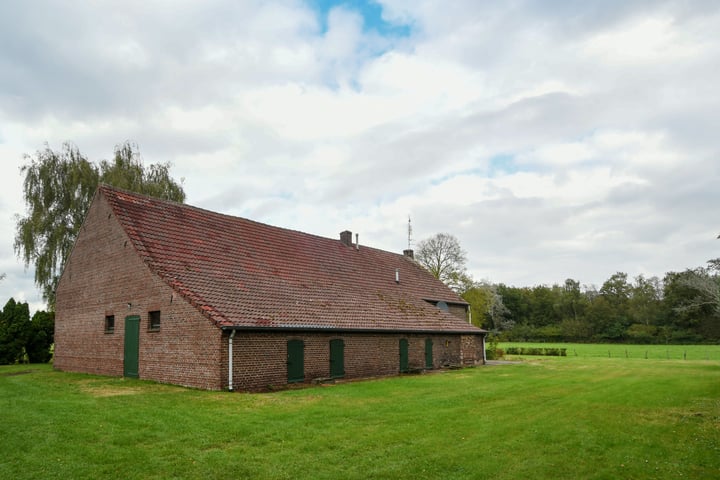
(14, 331)
(40, 337)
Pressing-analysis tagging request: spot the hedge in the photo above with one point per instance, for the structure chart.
(549, 352)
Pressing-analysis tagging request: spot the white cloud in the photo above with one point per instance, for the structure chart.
(422, 85)
(646, 41)
(344, 34)
(562, 154)
(563, 140)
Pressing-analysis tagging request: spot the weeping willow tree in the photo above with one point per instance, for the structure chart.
(58, 188)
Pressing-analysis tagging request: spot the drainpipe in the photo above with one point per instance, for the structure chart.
(483, 349)
(230, 358)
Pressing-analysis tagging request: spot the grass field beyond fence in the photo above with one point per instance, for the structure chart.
(588, 417)
(650, 352)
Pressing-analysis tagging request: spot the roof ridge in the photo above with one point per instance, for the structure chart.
(107, 187)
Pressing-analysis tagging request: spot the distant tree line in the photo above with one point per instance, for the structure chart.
(682, 307)
(24, 339)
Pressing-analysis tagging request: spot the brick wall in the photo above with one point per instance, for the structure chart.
(471, 349)
(260, 359)
(104, 275)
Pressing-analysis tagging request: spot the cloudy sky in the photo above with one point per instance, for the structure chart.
(554, 139)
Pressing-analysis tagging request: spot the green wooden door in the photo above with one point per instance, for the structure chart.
(403, 355)
(132, 347)
(337, 358)
(295, 361)
(428, 353)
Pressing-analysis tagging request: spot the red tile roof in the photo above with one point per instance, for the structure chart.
(244, 274)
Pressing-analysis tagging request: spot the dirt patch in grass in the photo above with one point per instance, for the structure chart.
(111, 391)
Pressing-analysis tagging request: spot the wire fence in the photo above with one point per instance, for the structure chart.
(650, 352)
(667, 354)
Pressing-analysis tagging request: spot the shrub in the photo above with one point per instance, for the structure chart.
(494, 354)
(492, 351)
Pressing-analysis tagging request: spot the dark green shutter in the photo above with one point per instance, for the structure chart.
(132, 347)
(428, 353)
(337, 358)
(295, 361)
(403, 355)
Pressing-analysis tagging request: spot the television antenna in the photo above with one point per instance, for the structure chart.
(409, 233)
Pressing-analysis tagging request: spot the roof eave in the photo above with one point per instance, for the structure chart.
(249, 328)
(449, 302)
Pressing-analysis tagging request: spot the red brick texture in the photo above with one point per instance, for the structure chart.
(260, 359)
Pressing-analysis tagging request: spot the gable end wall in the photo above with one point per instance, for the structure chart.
(102, 276)
(460, 311)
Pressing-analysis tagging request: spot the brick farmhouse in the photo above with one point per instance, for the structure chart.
(173, 293)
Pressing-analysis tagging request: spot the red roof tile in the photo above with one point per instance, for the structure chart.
(241, 273)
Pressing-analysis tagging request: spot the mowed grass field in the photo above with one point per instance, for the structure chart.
(571, 417)
(650, 352)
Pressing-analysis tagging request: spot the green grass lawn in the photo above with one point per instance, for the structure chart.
(572, 417)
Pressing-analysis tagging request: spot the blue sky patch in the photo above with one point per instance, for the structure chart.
(370, 11)
(502, 163)
(478, 172)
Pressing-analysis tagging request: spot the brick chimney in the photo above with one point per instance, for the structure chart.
(346, 238)
(409, 253)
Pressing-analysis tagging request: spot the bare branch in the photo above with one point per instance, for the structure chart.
(444, 258)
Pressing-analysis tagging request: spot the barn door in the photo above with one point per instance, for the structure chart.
(428, 353)
(295, 361)
(132, 347)
(337, 358)
(403, 355)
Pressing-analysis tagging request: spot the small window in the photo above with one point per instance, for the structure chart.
(154, 320)
(109, 323)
